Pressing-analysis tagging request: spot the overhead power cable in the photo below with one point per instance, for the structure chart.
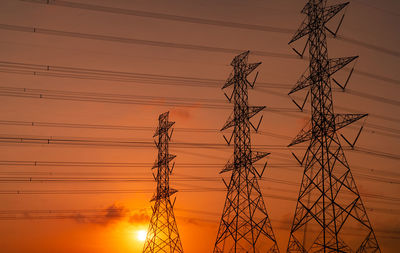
(363, 2)
(79, 141)
(121, 99)
(148, 100)
(102, 74)
(187, 190)
(168, 45)
(152, 43)
(163, 16)
(98, 165)
(30, 212)
(201, 21)
(374, 128)
(289, 165)
(392, 132)
(59, 211)
(140, 78)
(107, 179)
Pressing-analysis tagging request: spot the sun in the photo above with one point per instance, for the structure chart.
(141, 235)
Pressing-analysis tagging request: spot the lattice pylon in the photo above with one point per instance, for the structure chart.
(162, 235)
(245, 225)
(329, 216)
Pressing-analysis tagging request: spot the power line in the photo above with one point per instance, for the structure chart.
(146, 128)
(163, 16)
(95, 74)
(186, 130)
(74, 211)
(120, 99)
(369, 46)
(89, 95)
(190, 189)
(98, 74)
(373, 97)
(107, 179)
(101, 74)
(99, 213)
(168, 45)
(111, 98)
(71, 164)
(392, 12)
(152, 43)
(186, 190)
(202, 21)
(146, 144)
(67, 216)
(135, 99)
(29, 213)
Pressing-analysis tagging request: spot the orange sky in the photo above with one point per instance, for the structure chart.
(84, 225)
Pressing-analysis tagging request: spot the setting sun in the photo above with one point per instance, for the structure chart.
(141, 235)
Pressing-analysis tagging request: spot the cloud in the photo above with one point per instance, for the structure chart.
(180, 113)
(191, 220)
(140, 217)
(111, 214)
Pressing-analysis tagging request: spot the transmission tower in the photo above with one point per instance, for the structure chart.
(329, 216)
(162, 235)
(245, 225)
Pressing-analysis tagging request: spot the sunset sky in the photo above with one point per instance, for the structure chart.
(82, 90)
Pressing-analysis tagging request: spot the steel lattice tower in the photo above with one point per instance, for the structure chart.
(162, 235)
(329, 209)
(245, 225)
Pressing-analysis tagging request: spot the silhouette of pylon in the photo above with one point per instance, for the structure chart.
(162, 234)
(245, 225)
(329, 216)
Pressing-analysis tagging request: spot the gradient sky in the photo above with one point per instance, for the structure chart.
(85, 223)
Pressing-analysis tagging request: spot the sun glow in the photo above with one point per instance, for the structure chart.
(141, 235)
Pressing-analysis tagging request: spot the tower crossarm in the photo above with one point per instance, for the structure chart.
(333, 10)
(303, 82)
(163, 160)
(163, 195)
(304, 135)
(253, 110)
(335, 64)
(251, 67)
(229, 166)
(258, 155)
(164, 129)
(230, 81)
(229, 123)
(343, 120)
(240, 59)
(328, 13)
(303, 30)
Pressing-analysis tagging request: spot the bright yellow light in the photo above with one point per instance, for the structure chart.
(141, 235)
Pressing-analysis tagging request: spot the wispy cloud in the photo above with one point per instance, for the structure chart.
(111, 214)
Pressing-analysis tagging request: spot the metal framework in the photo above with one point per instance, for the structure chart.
(245, 225)
(162, 235)
(329, 216)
